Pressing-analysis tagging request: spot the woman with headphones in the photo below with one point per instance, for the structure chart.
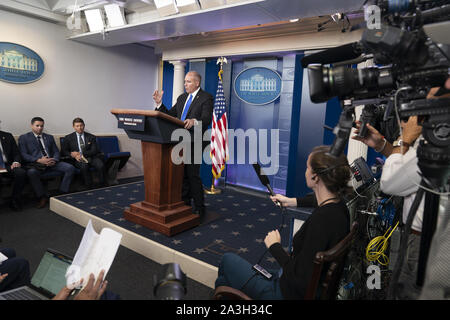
(328, 224)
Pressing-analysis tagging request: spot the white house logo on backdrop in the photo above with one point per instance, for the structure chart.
(258, 85)
(19, 64)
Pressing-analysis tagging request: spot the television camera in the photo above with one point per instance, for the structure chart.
(410, 57)
(408, 65)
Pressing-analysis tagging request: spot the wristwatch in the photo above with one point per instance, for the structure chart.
(400, 143)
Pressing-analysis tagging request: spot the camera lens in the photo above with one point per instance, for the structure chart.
(326, 82)
(171, 284)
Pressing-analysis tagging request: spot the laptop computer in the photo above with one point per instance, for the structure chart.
(46, 282)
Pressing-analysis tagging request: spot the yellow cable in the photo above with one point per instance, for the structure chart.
(377, 246)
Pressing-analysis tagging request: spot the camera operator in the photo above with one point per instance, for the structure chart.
(401, 177)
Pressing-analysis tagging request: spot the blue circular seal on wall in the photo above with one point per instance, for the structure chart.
(19, 64)
(258, 85)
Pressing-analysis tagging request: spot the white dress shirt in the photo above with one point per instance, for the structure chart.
(42, 141)
(3, 153)
(401, 177)
(193, 97)
(78, 141)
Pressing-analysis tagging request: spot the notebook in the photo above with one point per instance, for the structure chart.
(296, 224)
(46, 282)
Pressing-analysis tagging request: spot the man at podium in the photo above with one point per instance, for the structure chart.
(195, 108)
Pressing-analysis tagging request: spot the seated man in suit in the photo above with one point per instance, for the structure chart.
(82, 147)
(10, 161)
(41, 155)
(194, 107)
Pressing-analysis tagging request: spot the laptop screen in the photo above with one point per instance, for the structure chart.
(50, 274)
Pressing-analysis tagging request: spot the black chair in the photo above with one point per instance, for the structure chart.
(321, 286)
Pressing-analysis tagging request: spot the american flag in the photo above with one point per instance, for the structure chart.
(219, 133)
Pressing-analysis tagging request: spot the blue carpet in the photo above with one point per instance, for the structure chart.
(241, 227)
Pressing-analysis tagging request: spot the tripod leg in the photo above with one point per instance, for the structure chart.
(404, 243)
(428, 228)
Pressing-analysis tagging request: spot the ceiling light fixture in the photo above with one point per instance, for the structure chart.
(95, 20)
(206, 4)
(115, 15)
(188, 5)
(166, 7)
(336, 17)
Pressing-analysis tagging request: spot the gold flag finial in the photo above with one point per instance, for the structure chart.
(220, 62)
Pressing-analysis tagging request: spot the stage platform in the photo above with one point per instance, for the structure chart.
(238, 222)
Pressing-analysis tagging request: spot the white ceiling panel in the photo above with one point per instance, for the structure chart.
(147, 25)
(226, 17)
(181, 25)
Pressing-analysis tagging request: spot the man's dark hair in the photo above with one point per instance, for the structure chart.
(36, 119)
(79, 120)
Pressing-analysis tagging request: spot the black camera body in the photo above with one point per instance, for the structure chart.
(408, 64)
(407, 59)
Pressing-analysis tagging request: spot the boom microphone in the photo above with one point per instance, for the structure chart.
(337, 54)
(263, 178)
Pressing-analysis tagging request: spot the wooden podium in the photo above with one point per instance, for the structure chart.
(162, 210)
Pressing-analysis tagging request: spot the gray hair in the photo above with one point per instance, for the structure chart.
(196, 75)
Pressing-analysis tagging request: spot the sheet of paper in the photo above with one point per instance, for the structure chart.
(102, 253)
(3, 258)
(95, 253)
(89, 237)
(297, 225)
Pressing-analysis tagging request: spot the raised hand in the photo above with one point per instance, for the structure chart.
(157, 96)
(373, 138)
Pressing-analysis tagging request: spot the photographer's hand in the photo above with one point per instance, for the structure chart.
(411, 130)
(374, 139)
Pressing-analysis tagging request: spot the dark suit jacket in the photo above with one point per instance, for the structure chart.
(29, 148)
(70, 144)
(10, 148)
(201, 108)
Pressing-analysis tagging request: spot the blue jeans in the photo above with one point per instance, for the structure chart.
(235, 271)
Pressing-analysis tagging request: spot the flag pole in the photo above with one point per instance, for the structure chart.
(213, 190)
